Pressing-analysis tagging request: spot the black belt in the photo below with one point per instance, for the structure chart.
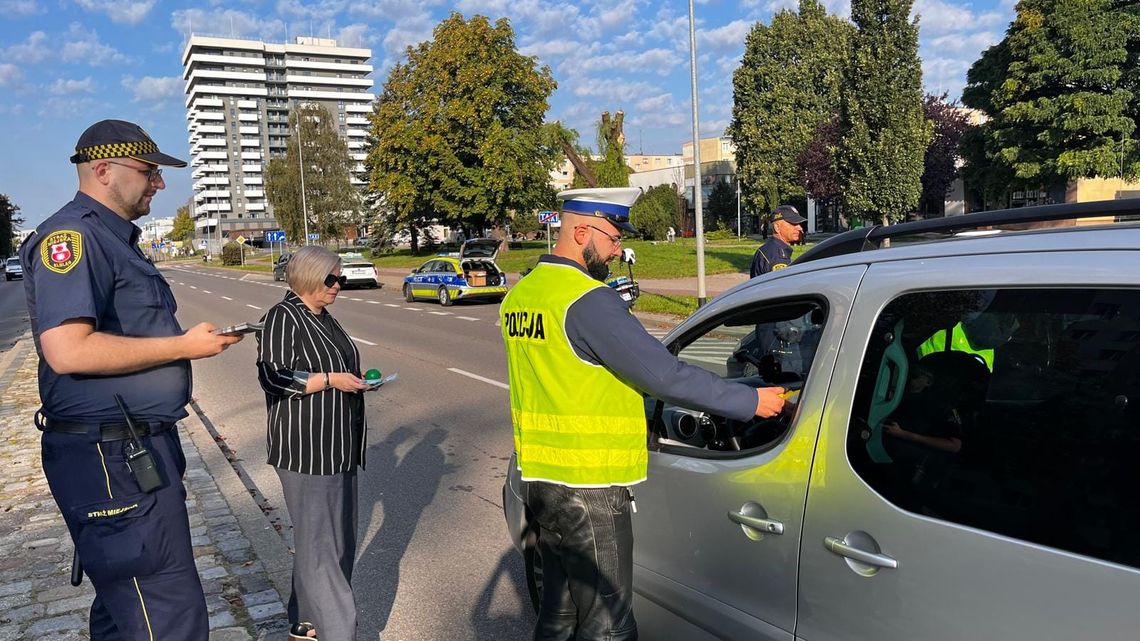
(107, 431)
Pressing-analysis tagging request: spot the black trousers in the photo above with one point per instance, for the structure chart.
(134, 546)
(585, 542)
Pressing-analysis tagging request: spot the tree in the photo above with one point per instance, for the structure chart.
(1061, 95)
(940, 165)
(330, 199)
(788, 82)
(656, 211)
(10, 221)
(458, 128)
(721, 212)
(884, 134)
(183, 225)
(611, 170)
(815, 167)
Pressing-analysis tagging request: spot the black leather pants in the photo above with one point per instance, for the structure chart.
(585, 542)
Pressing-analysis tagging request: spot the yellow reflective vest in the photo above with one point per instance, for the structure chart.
(959, 342)
(575, 423)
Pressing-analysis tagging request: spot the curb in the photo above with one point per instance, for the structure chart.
(267, 544)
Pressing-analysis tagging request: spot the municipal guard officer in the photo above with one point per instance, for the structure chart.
(776, 252)
(104, 325)
(578, 362)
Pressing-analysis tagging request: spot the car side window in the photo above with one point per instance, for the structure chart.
(1015, 411)
(760, 346)
(446, 267)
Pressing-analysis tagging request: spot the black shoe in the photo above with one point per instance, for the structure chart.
(300, 632)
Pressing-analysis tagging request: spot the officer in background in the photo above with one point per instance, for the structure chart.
(103, 321)
(578, 363)
(776, 252)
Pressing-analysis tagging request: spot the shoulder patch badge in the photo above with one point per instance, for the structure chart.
(779, 266)
(61, 250)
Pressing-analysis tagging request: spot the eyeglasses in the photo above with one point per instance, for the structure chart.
(333, 279)
(614, 238)
(152, 173)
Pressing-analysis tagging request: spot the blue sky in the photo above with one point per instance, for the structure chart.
(67, 63)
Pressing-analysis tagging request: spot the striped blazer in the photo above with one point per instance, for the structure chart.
(319, 433)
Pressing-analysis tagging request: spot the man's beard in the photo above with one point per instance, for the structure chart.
(598, 268)
(135, 210)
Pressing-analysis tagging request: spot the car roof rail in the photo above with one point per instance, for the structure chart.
(867, 238)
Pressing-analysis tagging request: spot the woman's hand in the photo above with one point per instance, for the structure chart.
(346, 382)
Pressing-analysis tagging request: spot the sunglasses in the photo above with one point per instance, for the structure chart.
(333, 279)
(152, 173)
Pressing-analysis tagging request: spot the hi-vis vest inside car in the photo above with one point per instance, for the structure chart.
(575, 423)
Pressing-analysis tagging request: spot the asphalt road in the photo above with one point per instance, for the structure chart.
(434, 561)
(13, 313)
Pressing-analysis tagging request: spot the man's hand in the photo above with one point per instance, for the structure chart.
(769, 403)
(200, 341)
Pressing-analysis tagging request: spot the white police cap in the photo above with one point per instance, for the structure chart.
(611, 203)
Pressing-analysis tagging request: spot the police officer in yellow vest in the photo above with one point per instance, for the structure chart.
(578, 362)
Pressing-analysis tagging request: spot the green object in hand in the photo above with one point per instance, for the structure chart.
(372, 375)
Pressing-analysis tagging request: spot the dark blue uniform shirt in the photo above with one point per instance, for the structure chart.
(83, 262)
(773, 254)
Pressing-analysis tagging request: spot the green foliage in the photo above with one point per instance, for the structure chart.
(330, 199)
(10, 220)
(611, 170)
(231, 253)
(183, 225)
(721, 210)
(655, 212)
(458, 129)
(1062, 95)
(884, 134)
(788, 83)
(721, 234)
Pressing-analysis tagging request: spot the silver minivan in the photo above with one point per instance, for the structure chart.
(960, 461)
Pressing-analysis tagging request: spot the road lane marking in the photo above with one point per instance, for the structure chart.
(206, 291)
(441, 313)
(391, 305)
(253, 306)
(467, 318)
(361, 340)
(373, 302)
(414, 309)
(479, 378)
(193, 287)
(227, 297)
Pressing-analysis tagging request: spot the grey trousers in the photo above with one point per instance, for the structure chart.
(324, 515)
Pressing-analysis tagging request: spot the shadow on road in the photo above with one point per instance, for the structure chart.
(417, 475)
(504, 626)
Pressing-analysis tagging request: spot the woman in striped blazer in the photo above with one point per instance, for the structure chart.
(310, 371)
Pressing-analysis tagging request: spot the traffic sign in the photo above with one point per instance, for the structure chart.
(275, 236)
(548, 217)
(314, 236)
(154, 244)
(202, 243)
(240, 239)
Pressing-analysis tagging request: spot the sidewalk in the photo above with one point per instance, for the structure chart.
(239, 568)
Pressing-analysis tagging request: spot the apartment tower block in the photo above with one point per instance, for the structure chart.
(238, 97)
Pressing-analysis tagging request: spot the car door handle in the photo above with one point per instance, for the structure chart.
(840, 547)
(764, 525)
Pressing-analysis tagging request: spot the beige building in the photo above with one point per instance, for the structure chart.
(645, 162)
(719, 148)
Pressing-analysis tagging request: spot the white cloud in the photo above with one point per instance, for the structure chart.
(321, 10)
(20, 8)
(119, 10)
(356, 35)
(659, 61)
(614, 89)
(236, 24)
(151, 89)
(66, 87)
(31, 51)
(670, 28)
(492, 8)
(659, 102)
(546, 49)
(84, 46)
(408, 31)
(730, 36)
(972, 44)
(938, 17)
(12, 110)
(69, 107)
(10, 74)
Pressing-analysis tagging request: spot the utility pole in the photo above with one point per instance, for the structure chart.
(738, 205)
(699, 209)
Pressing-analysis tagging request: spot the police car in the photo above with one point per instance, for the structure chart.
(469, 274)
(357, 271)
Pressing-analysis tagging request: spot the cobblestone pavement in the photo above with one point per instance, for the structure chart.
(37, 600)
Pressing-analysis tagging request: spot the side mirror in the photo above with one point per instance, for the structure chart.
(415, 270)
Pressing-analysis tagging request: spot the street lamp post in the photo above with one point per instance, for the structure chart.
(301, 159)
(699, 209)
(738, 205)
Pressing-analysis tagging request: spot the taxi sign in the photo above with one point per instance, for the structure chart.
(548, 217)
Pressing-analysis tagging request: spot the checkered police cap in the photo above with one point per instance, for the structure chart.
(120, 139)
